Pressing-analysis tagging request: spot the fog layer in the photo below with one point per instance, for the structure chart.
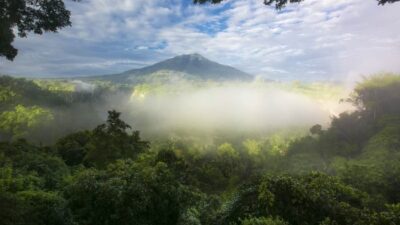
(243, 108)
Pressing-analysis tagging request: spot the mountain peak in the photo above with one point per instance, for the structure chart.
(194, 65)
(190, 58)
(194, 56)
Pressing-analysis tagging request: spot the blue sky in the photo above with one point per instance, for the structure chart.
(317, 39)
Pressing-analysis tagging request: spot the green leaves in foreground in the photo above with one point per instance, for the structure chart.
(127, 193)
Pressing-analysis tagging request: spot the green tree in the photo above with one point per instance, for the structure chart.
(316, 130)
(263, 221)
(306, 199)
(26, 16)
(22, 201)
(44, 208)
(111, 141)
(72, 148)
(378, 95)
(127, 193)
(391, 215)
(20, 91)
(11, 207)
(22, 120)
(41, 161)
(228, 160)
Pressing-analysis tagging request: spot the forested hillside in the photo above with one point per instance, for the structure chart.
(37, 110)
(346, 174)
(199, 112)
(44, 110)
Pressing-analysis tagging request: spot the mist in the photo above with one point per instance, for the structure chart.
(238, 108)
(202, 110)
(81, 86)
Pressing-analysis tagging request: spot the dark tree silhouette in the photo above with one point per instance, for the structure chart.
(316, 129)
(279, 4)
(37, 16)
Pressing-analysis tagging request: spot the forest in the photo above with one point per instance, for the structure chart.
(71, 154)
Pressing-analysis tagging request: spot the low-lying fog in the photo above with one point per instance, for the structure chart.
(234, 108)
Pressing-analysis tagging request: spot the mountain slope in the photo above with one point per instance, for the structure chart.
(193, 66)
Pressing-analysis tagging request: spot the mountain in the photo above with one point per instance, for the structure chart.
(192, 66)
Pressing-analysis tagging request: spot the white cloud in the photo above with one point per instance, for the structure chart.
(323, 39)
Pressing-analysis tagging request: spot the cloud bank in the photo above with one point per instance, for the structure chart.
(240, 109)
(317, 39)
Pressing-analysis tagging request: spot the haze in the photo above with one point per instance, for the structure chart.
(238, 107)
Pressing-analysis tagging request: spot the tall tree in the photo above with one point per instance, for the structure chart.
(111, 141)
(37, 16)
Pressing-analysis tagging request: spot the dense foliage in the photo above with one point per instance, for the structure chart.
(26, 16)
(37, 110)
(346, 174)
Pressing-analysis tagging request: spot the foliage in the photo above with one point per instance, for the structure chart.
(263, 221)
(378, 95)
(15, 91)
(103, 145)
(126, 193)
(27, 174)
(22, 120)
(55, 85)
(44, 208)
(111, 141)
(307, 199)
(35, 161)
(72, 147)
(55, 99)
(26, 16)
(348, 173)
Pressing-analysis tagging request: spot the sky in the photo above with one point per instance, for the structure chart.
(313, 40)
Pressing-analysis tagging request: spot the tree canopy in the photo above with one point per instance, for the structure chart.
(347, 174)
(29, 16)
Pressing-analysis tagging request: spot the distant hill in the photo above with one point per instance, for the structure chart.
(192, 66)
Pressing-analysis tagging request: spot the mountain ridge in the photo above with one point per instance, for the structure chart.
(193, 66)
